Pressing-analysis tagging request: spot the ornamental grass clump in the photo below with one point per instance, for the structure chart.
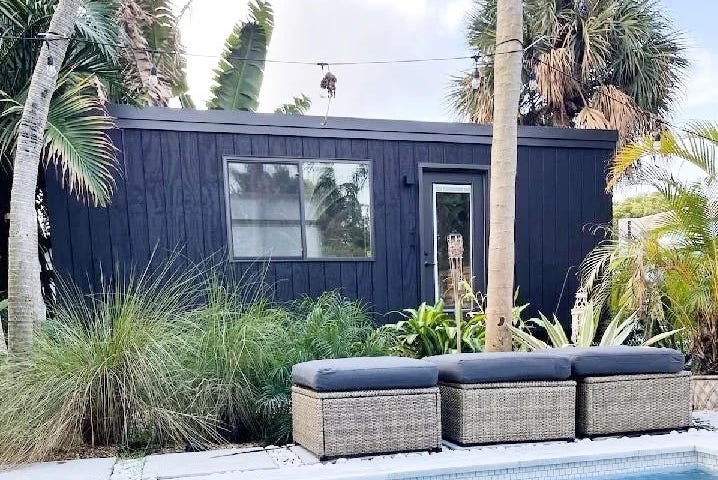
(107, 369)
(240, 340)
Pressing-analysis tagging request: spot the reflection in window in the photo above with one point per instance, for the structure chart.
(264, 209)
(452, 204)
(337, 209)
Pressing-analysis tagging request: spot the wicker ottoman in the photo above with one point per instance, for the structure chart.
(629, 389)
(505, 397)
(363, 406)
(633, 403)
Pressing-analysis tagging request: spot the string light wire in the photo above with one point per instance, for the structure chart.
(652, 116)
(268, 60)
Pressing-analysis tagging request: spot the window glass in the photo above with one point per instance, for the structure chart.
(337, 209)
(452, 214)
(264, 209)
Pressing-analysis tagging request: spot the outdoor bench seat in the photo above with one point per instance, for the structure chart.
(623, 389)
(365, 405)
(505, 397)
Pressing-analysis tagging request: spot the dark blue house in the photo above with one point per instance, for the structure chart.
(358, 205)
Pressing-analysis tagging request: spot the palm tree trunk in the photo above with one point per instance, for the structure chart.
(502, 214)
(25, 304)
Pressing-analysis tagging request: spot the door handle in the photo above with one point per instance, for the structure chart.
(429, 264)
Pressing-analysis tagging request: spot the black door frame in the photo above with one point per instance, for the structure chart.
(481, 224)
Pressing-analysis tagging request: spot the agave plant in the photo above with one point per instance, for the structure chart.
(618, 331)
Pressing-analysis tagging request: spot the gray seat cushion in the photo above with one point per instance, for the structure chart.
(621, 360)
(364, 373)
(501, 367)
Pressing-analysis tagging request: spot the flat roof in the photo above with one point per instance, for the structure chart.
(236, 121)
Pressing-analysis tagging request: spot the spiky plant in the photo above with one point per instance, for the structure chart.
(588, 64)
(108, 369)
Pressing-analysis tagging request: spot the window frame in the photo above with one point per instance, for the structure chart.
(227, 160)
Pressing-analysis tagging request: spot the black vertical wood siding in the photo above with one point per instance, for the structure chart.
(171, 196)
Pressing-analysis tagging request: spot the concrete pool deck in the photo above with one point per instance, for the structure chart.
(575, 459)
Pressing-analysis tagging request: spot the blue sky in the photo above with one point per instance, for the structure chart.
(696, 20)
(351, 30)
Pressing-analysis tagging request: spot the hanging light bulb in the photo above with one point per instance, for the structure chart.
(476, 79)
(154, 79)
(476, 75)
(50, 68)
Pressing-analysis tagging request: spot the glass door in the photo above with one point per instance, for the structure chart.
(452, 203)
(452, 213)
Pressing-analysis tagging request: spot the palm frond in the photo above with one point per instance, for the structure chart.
(298, 106)
(623, 48)
(76, 137)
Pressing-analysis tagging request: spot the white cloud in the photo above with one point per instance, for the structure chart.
(455, 13)
(409, 8)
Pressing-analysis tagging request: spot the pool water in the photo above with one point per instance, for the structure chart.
(693, 474)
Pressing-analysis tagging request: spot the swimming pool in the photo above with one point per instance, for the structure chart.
(603, 460)
(690, 474)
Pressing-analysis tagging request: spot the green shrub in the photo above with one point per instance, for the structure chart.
(105, 370)
(241, 362)
(429, 330)
(330, 326)
(170, 359)
(241, 341)
(424, 331)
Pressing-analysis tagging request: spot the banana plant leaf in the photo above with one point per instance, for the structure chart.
(239, 75)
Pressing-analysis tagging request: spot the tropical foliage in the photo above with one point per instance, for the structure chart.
(238, 77)
(298, 106)
(588, 63)
(76, 138)
(668, 275)
(171, 357)
(619, 331)
(640, 206)
(430, 330)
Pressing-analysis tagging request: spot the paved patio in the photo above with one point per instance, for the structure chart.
(293, 462)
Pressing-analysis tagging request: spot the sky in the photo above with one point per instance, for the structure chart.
(358, 30)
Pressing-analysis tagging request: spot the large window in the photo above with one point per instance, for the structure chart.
(299, 208)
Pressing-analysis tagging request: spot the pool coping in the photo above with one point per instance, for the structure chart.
(517, 460)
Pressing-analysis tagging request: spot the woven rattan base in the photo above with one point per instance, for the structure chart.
(705, 392)
(633, 403)
(508, 412)
(343, 424)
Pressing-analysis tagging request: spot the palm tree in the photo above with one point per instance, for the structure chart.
(95, 68)
(148, 27)
(588, 64)
(669, 274)
(25, 302)
(504, 150)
